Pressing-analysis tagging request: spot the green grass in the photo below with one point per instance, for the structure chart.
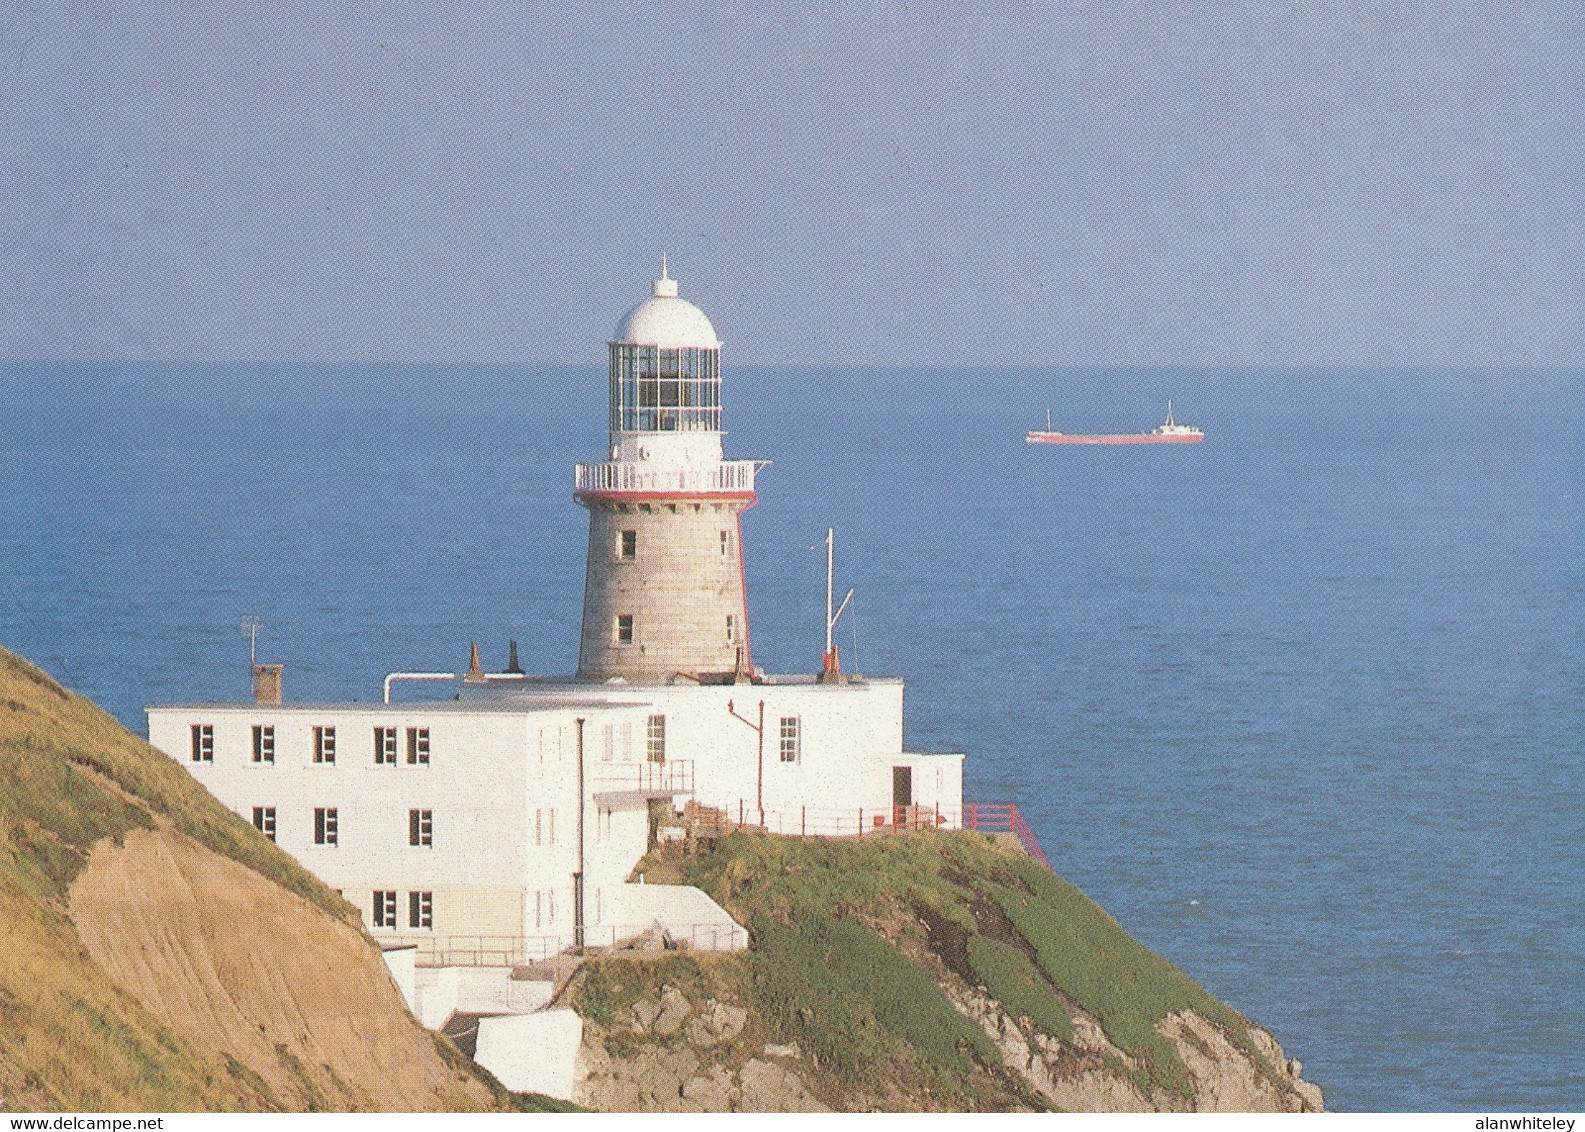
(1020, 986)
(833, 922)
(47, 733)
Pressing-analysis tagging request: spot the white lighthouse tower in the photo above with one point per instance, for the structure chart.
(664, 592)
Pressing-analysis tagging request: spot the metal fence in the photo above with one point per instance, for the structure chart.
(516, 951)
(861, 821)
(619, 475)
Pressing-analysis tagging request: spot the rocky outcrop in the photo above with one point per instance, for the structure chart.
(1087, 1073)
(665, 1053)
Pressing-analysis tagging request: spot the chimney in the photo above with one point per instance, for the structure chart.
(267, 684)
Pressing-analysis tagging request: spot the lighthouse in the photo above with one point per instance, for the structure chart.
(664, 596)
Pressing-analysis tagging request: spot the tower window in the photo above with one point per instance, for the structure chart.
(791, 739)
(655, 739)
(325, 831)
(385, 746)
(421, 910)
(629, 547)
(726, 541)
(418, 746)
(731, 627)
(385, 909)
(421, 827)
(324, 744)
(624, 628)
(264, 744)
(264, 820)
(203, 743)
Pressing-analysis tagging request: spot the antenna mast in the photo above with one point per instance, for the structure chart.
(250, 630)
(831, 668)
(830, 562)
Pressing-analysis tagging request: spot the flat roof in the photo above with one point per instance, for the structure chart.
(464, 707)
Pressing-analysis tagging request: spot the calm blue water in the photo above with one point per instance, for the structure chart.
(1301, 706)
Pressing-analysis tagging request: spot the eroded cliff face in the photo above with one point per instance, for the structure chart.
(667, 1052)
(158, 954)
(238, 966)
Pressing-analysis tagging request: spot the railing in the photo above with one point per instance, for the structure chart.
(1004, 817)
(621, 475)
(516, 951)
(864, 821)
(656, 779)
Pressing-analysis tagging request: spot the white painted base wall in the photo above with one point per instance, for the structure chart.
(441, 992)
(532, 1053)
(682, 911)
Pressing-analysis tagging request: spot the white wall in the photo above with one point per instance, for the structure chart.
(684, 912)
(532, 1053)
(501, 785)
(850, 739)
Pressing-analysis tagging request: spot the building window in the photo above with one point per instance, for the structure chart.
(420, 827)
(264, 820)
(655, 739)
(385, 909)
(385, 746)
(624, 628)
(544, 827)
(203, 743)
(726, 541)
(628, 550)
(264, 744)
(790, 739)
(420, 910)
(418, 746)
(608, 742)
(325, 826)
(731, 627)
(324, 744)
(544, 908)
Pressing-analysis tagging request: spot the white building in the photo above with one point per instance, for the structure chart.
(505, 824)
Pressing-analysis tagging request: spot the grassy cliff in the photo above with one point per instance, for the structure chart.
(940, 970)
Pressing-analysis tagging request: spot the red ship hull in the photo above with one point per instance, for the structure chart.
(1132, 438)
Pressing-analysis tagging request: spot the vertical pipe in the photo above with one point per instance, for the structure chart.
(760, 786)
(577, 877)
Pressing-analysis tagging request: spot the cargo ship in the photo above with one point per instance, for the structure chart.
(1169, 432)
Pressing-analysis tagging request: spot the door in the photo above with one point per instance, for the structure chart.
(902, 793)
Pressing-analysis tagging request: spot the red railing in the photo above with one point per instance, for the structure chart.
(1003, 817)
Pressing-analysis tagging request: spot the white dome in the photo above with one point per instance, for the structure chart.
(666, 321)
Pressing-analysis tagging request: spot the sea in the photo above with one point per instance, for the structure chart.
(1302, 706)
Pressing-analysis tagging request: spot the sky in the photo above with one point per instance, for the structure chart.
(1068, 183)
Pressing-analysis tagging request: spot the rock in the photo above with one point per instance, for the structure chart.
(768, 1087)
(1311, 1095)
(789, 1050)
(712, 1092)
(728, 1020)
(645, 1011)
(674, 1011)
